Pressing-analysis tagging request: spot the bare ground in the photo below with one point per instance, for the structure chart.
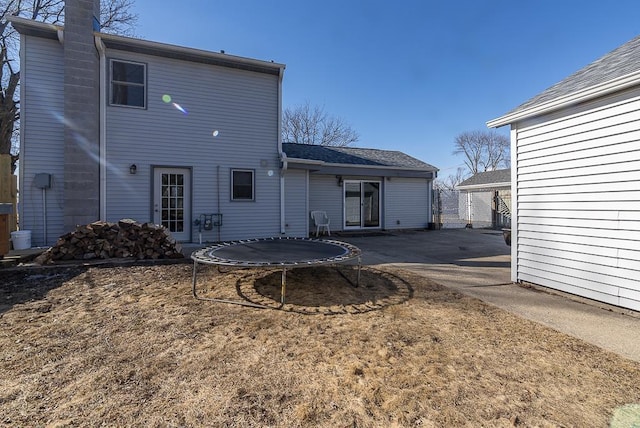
(130, 346)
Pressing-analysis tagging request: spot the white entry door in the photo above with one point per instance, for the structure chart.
(172, 201)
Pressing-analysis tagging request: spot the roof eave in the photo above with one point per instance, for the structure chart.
(349, 165)
(615, 85)
(484, 186)
(114, 41)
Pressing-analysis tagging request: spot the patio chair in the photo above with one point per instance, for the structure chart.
(320, 221)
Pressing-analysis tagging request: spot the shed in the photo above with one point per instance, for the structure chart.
(575, 153)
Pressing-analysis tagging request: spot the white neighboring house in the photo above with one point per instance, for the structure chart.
(575, 156)
(115, 127)
(487, 199)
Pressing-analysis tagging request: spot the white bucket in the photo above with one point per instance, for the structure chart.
(21, 239)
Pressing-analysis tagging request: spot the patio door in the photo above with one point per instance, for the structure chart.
(172, 201)
(361, 204)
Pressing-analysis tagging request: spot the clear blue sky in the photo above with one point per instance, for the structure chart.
(407, 75)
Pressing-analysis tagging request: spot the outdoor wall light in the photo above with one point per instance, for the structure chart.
(133, 168)
(339, 177)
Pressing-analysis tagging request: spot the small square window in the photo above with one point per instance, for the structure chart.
(128, 84)
(242, 185)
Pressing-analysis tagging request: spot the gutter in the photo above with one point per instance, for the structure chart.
(282, 155)
(484, 186)
(349, 165)
(103, 129)
(597, 91)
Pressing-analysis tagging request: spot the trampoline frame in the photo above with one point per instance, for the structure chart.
(203, 256)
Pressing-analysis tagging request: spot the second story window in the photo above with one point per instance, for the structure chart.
(128, 84)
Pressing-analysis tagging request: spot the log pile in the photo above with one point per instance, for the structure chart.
(104, 240)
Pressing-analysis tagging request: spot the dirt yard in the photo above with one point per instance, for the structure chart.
(130, 346)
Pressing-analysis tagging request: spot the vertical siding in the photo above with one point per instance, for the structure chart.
(296, 213)
(42, 137)
(326, 195)
(578, 201)
(242, 106)
(406, 203)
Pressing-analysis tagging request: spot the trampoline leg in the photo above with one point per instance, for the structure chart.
(283, 289)
(193, 283)
(359, 264)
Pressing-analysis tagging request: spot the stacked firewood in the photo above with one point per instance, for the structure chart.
(104, 240)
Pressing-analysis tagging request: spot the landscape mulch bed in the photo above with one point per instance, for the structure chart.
(130, 346)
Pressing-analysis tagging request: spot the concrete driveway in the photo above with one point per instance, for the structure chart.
(477, 262)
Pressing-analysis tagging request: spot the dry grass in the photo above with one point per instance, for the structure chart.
(129, 346)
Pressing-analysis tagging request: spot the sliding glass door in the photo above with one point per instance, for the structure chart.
(361, 204)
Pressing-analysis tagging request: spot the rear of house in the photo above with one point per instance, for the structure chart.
(158, 133)
(575, 175)
(114, 127)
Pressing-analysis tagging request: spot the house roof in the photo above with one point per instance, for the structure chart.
(614, 71)
(130, 44)
(327, 159)
(354, 156)
(487, 180)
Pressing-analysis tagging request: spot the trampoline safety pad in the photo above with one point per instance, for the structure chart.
(280, 252)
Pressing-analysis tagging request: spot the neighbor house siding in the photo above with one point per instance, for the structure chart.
(326, 195)
(406, 203)
(481, 209)
(578, 200)
(42, 137)
(241, 105)
(296, 211)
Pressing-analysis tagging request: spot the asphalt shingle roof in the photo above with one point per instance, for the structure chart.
(354, 156)
(617, 63)
(488, 177)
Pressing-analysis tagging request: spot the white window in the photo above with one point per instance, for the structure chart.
(128, 84)
(242, 185)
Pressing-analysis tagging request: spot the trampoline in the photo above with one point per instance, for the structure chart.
(281, 252)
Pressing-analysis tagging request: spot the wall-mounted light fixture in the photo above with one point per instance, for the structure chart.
(339, 178)
(133, 168)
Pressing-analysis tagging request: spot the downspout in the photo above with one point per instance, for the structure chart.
(283, 156)
(103, 129)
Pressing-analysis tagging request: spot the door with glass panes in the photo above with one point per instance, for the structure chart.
(172, 201)
(361, 204)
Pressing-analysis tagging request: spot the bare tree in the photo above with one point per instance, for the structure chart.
(115, 15)
(451, 181)
(312, 125)
(483, 150)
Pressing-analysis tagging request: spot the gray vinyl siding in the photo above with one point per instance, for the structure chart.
(578, 200)
(42, 138)
(241, 105)
(296, 211)
(481, 209)
(406, 203)
(326, 195)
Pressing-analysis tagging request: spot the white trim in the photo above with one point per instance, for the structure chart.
(514, 203)
(283, 225)
(253, 184)
(587, 94)
(144, 84)
(484, 186)
(190, 51)
(103, 128)
(344, 205)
